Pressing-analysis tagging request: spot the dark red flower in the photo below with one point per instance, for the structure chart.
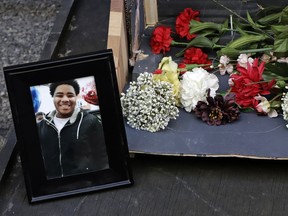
(183, 22)
(161, 39)
(195, 55)
(91, 97)
(249, 83)
(218, 110)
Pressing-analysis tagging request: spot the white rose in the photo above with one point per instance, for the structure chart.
(194, 86)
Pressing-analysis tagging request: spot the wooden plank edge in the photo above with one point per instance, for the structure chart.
(151, 12)
(118, 41)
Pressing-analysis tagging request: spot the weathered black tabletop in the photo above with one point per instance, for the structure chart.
(170, 186)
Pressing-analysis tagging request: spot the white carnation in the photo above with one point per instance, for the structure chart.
(194, 86)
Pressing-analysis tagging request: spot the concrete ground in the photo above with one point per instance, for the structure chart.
(24, 29)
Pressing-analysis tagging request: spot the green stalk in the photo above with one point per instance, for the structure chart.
(235, 30)
(276, 97)
(178, 43)
(262, 81)
(256, 50)
(234, 13)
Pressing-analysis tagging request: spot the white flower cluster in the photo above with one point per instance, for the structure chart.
(284, 106)
(149, 104)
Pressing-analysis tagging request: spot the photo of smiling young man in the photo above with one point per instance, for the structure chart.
(71, 138)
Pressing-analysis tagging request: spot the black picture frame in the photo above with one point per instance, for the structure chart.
(19, 80)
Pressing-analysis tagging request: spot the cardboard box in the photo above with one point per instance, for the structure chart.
(251, 137)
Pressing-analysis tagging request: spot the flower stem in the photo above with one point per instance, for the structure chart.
(256, 50)
(178, 43)
(189, 67)
(215, 46)
(240, 17)
(276, 97)
(252, 83)
(235, 30)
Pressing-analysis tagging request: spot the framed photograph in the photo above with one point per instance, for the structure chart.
(69, 125)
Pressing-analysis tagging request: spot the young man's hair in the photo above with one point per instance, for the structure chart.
(72, 83)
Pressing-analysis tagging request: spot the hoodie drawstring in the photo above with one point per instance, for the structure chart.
(78, 128)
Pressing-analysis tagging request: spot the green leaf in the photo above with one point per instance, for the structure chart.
(277, 29)
(215, 40)
(281, 43)
(199, 41)
(284, 16)
(239, 29)
(256, 50)
(283, 35)
(226, 23)
(206, 32)
(271, 18)
(245, 40)
(196, 26)
(275, 71)
(230, 52)
(250, 20)
(254, 25)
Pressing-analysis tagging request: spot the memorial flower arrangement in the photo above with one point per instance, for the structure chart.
(254, 60)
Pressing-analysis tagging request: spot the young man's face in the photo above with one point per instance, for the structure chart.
(64, 100)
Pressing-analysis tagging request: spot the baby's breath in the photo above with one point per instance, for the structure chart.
(149, 104)
(284, 106)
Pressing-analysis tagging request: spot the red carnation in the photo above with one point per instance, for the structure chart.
(195, 55)
(183, 23)
(161, 39)
(249, 83)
